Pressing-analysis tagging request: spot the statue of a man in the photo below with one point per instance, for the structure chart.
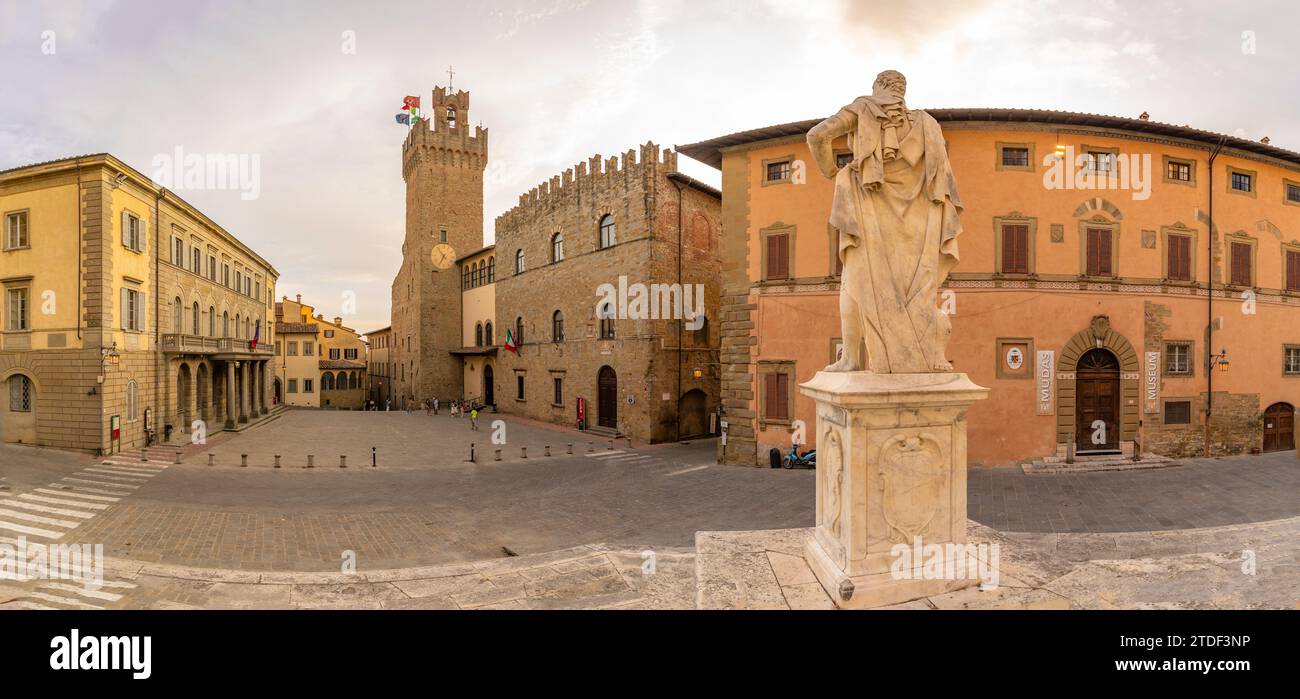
(898, 214)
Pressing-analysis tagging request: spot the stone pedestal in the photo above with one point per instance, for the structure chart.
(891, 467)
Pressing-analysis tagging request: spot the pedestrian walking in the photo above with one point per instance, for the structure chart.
(473, 419)
(388, 404)
(435, 406)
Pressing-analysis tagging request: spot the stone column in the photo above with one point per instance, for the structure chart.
(243, 391)
(263, 377)
(891, 479)
(230, 395)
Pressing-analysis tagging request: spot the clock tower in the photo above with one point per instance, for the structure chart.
(442, 164)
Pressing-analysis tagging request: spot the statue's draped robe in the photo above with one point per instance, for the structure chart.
(898, 214)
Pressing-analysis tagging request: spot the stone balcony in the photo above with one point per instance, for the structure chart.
(197, 344)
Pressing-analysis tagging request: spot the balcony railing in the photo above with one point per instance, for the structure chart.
(196, 344)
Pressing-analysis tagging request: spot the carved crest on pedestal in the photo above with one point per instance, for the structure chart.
(831, 470)
(912, 480)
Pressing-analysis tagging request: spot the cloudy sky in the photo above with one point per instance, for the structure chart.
(557, 81)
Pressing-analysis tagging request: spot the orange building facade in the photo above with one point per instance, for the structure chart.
(1093, 295)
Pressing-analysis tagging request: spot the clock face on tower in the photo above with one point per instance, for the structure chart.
(443, 256)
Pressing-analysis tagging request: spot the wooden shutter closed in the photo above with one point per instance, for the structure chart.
(778, 256)
(1180, 257)
(1099, 252)
(1293, 270)
(1015, 249)
(1240, 264)
(776, 396)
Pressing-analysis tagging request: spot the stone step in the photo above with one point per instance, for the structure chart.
(1051, 465)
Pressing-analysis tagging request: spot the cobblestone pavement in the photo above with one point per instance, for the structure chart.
(1198, 493)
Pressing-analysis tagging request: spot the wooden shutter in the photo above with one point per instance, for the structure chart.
(782, 395)
(1293, 270)
(126, 227)
(778, 256)
(1099, 252)
(1241, 264)
(1015, 249)
(1180, 257)
(126, 309)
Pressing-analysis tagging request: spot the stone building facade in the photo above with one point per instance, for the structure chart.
(442, 164)
(379, 366)
(1106, 297)
(634, 234)
(128, 313)
(318, 363)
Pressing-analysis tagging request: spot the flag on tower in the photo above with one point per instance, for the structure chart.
(410, 101)
(403, 118)
(511, 345)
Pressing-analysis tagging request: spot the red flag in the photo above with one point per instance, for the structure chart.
(257, 332)
(511, 346)
(410, 101)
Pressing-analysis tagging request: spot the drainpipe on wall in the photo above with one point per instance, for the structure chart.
(80, 235)
(681, 323)
(1209, 299)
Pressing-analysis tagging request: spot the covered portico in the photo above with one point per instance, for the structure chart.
(215, 384)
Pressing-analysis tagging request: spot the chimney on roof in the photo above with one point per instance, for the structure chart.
(1265, 140)
(299, 297)
(338, 320)
(1144, 116)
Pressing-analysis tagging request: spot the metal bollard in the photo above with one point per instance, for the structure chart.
(144, 454)
(523, 452)
(343, 461)
(277, 461)
(311, 461)
(212, 459)
(590, 447)
(178, 458)
(471, 453)
(548, 450)
(243, 460)
(570, 448)
(611, 444)
(629, 442)
(373, 456)
(496, 455)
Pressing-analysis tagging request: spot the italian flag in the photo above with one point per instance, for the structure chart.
(511, 345)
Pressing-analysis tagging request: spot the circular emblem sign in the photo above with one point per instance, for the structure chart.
(1015, 358)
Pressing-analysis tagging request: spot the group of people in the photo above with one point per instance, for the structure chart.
(458, 408)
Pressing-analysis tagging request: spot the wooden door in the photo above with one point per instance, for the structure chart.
(607, 402)
(1279, 427)
(1097, 399)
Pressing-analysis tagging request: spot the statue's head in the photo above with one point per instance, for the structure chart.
(890, 83)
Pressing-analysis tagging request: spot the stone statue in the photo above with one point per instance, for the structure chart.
(898, 214)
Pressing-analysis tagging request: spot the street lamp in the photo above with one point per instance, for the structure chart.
(108, 356)
(1221, 359)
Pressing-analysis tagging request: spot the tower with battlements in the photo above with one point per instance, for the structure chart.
(442, 164)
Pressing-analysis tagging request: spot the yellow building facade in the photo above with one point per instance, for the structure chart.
(129, 315)
(319, 363)
(1091, 288)
(479, 334)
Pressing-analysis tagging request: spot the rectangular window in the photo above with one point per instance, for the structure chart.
(1293, 270)
(293, 385)
(307, 348)
(1293, 193)
(1101, 161)
(1099, 252)
(1241, 271)
(1291, 360)
(306, 385)
(1015, 156)
(293, 349)
(519, 386)
(225, 275)
(1178, 170)
(1015, 248)
(133, 310)
(196, 261)
(1178, 412)
(559, 390)
(16, 234)
(842, 160)
(1243, 182)
(212, 267)
(132, 232)
(279, 349)
(178, 252)
(778, 171)
(329, 333)
(334, 353)
(16, 309)
(778, 256)
(776, 396)
(1178, 359)
(349, 354)
(1179, 257)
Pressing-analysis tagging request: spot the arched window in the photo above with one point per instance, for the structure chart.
(237, 325)
(519, 331)
(131, 402)
(20, 394)
(197, 331)
(451, 117)
(557, 327)
(352, 379)
(492, 271)
(607, 237)
(519, 261)
(557, 247)
(225, 324)
(606, 315)
(212, 321)
(465, 281)
(327, 382)
(176, 316)
(487, 332)
(478, 334)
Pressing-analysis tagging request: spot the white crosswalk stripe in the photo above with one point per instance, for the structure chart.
(115, 475)
(78, 495)
(46, 597)
(31, 531)
(62, 501)
(84, 592)
(101, 484)
(603, 454)
(43, 508)
(39, 519)
(130, 470)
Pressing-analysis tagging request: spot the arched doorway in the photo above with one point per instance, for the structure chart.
(18, 425)
(1279, 427)
(692, 414)
(1097, 399)
(275, 392)
(489, 393)
(607, 398)
(184, 389)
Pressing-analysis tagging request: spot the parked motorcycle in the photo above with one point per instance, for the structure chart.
(794, 459)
